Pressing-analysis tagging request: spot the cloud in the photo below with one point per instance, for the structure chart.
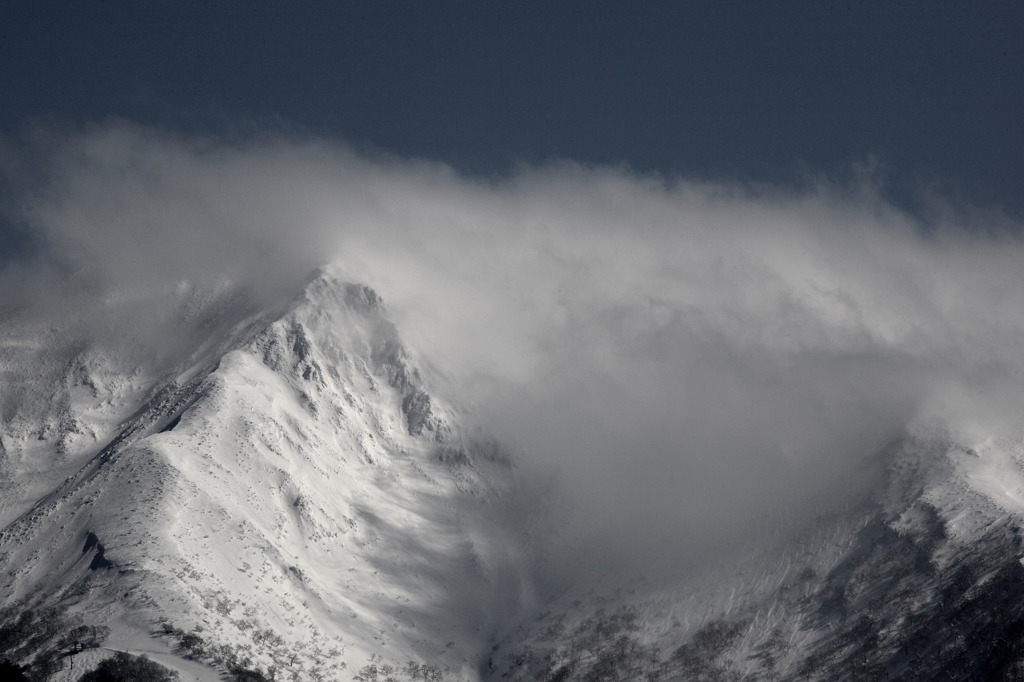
(686, 354)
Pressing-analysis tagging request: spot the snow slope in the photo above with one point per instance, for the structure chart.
(916, 575)
(294, 494)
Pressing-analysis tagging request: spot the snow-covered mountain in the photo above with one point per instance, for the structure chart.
(287, 493)
(914, 573)
(291, 491)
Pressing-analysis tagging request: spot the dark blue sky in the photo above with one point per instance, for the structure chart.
(762, 91)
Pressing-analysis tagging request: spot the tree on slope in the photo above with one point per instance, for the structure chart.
(127, 668)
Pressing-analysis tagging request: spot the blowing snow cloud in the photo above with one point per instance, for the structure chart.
(681, 352)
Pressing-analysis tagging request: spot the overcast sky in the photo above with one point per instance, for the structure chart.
(738, 90)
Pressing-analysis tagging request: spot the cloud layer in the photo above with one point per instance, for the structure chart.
(685, 354)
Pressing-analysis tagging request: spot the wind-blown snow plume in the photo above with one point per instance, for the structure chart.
(684, 353)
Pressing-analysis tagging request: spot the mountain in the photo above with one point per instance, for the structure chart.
(914, 574)
(285, 492)
(290, 492)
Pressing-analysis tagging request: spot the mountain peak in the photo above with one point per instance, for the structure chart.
(256, 492)
(336, 322)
